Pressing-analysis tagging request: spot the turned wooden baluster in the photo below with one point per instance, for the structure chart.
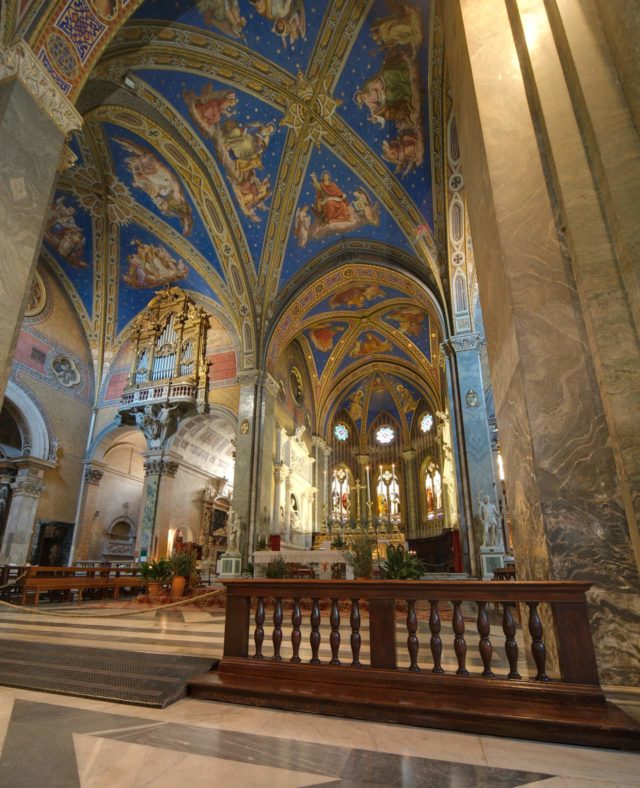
(277, 630)
(356, 640)
(538, 649)
(459, 643)
(412, 640)
(436, 641)
(334, 637)
(296, 637)
(314, 638)
(258, 635)
(510, 645)
(486, 649)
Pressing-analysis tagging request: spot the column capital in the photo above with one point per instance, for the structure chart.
(460, 343)
(154, 466)
(92, 474)
(363, 459)
(258, 377)
(19, 62)
(409, 455)
(28, 485)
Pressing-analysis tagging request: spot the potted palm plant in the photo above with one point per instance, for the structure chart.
(401, 565)
(156, 573)
(360, 557)
(181, 564)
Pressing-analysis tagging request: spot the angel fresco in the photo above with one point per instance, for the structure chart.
(394, 95)
(409, 402)
(159, 182)
(64, 235)
(223, 14)
(410, 320)
(152, 266)
(368, 344)
(322, 336)
(356, 296)
(288, 18)
(356, 405)
(239, 146)
(333, 213)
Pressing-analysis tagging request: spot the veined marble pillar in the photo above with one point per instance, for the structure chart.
(552, 172)
(255, 446)
(157, 494)
(475, 428)
(34, 121)
(412, 503)
(286, 535)
(88, 536)
(26, 490)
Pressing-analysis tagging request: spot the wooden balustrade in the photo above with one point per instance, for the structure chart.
(454, 684)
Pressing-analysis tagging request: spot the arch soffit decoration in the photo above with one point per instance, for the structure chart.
(37, 437)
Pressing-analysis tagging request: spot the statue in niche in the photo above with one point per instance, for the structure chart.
(490, 522)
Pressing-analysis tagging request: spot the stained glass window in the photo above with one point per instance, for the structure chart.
(388, 495)
(341, 431)
(426, 422)
(340, 503)
(385, 435)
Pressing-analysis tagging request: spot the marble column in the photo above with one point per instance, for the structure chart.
(157, 494)
(363, 461)
(551, 165)
(34, 121)
(321, 454)
(286, 534)
(411, 494)
(280, 473)
(88, 536)
(26, 490)
(255, 445)
(7, 477)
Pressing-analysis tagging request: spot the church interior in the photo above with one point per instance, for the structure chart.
(337, 303)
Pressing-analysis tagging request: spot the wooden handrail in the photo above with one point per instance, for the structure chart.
(566, 600)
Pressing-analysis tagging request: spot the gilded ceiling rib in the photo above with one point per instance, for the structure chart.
(207, 54)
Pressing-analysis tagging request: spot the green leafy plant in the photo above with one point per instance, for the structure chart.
(276, 569)
(359, 555)
(337, 542)
(262, 543)
(181, 564)
(156, 571)
(401, 566)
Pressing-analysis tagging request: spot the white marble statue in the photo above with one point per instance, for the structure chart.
(490, 522)
(233, 533)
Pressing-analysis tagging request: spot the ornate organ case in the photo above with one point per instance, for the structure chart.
(169, 340)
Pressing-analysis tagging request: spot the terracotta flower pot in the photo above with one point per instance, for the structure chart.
(154, 589)
(177, 587)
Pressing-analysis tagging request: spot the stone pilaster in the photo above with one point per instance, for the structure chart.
(280, 473)
(7, 477)
(34, 121)
(88, 535)
(321, 454)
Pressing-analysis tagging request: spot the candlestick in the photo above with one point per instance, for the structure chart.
(368, 486)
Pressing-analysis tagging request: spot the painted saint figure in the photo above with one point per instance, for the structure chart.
(63, 233)
(288, 18)
(331, 202)
(223, 14)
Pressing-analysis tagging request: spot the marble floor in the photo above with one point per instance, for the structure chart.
(62, 742)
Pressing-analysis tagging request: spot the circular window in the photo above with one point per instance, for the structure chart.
(341, 431)
(385, 435)
(426, 422)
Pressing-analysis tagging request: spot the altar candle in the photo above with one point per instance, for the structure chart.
(368, 487)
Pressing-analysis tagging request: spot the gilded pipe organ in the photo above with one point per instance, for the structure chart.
(169, 341)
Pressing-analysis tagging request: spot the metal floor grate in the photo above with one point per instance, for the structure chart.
(134, 677)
